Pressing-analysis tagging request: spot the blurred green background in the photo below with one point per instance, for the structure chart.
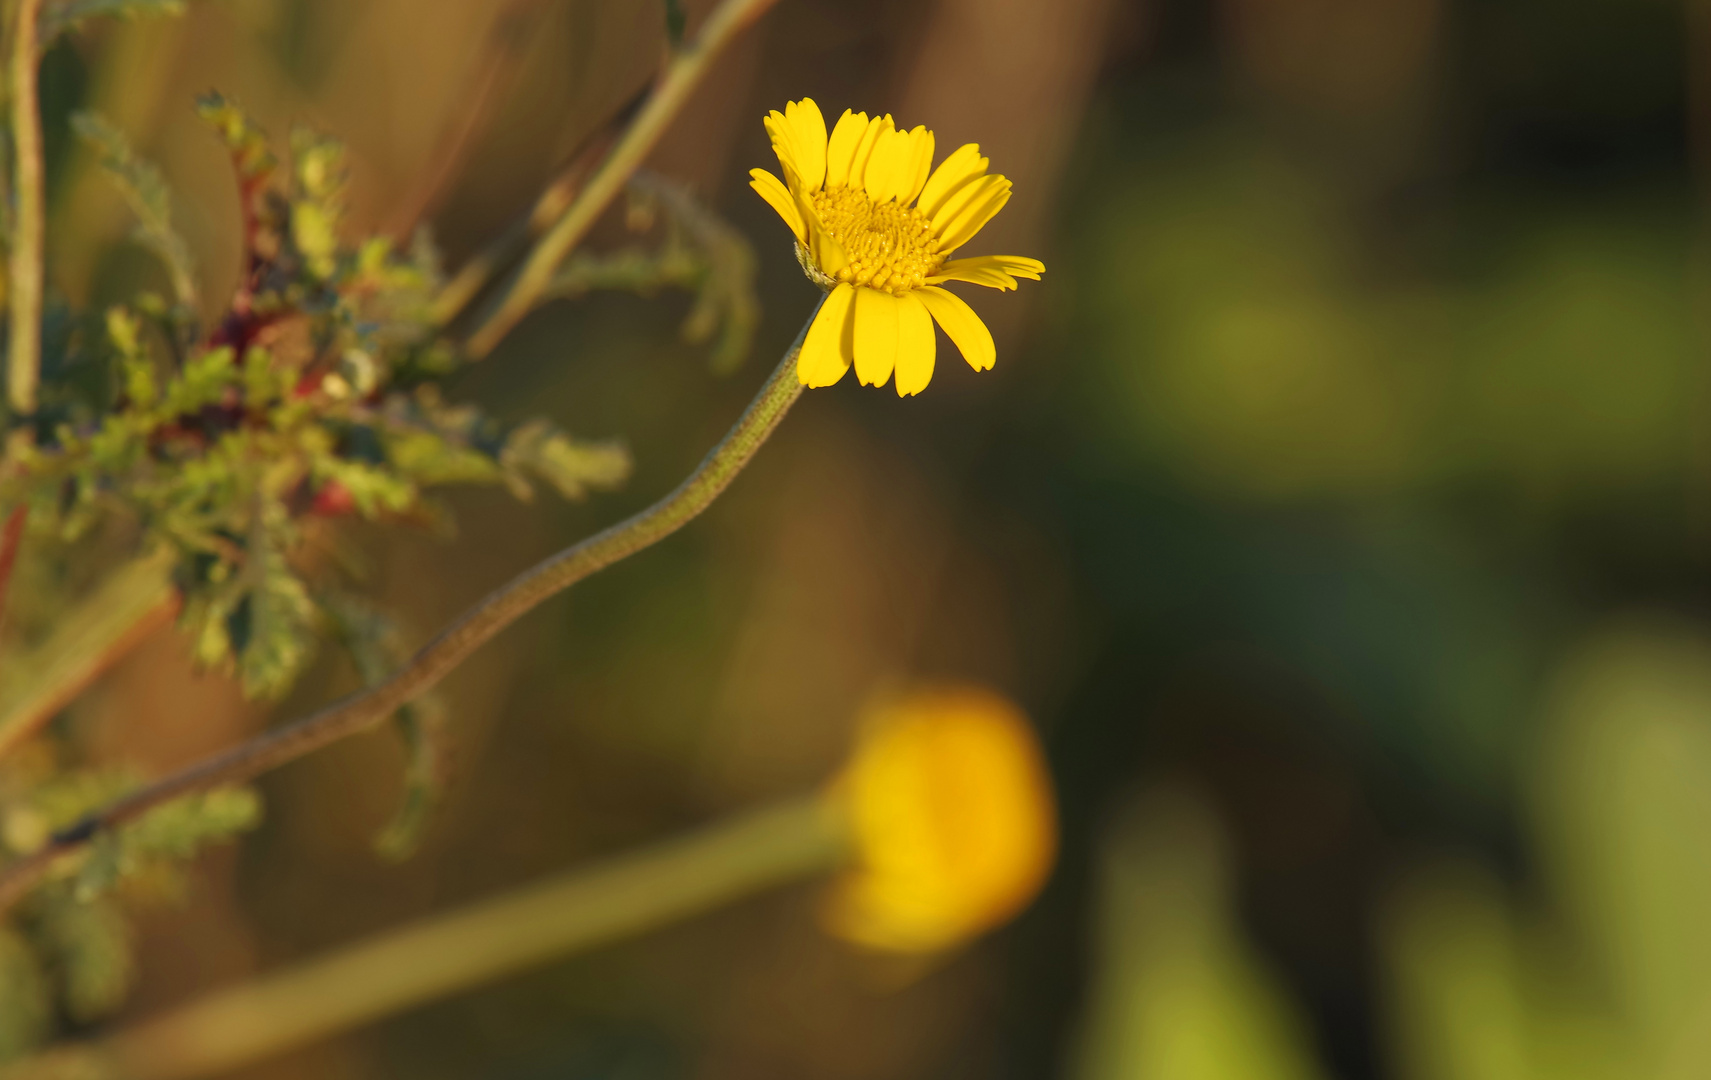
(1340, 508)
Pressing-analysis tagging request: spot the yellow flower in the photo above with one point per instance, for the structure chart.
(881, 260)
(951, 812)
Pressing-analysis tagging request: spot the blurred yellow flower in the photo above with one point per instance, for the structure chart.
(954, 825)
(881, 260)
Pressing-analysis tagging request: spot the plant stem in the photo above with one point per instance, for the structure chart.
(441, 955)
(11, 539)
(123, 610)
(24, 353)
(475, 627)
(684, 71)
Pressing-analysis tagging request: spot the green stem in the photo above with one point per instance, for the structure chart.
(24, 353)
(443, 955)
(500, 609)
(685, 70)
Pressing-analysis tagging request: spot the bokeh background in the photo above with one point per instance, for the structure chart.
(1339, 508)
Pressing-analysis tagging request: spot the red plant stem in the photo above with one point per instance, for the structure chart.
(11, 537)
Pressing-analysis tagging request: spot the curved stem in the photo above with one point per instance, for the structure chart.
(24, 352)
(685, 70)
(447, 953)
(500, 609)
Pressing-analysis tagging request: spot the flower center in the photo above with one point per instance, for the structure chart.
(891, 247)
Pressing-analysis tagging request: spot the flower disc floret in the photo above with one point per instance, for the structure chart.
(890, 247)
(875, 227)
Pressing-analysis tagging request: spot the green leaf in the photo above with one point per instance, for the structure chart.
(88, 945)
(317, 205)
(573, 467)
(279, 634)
(377, 650)
(203, 381)
(701, 253)
(168, 834)
(145, 191)
(58, 16)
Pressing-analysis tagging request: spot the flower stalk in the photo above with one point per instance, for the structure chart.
(362, 711)
(393, 971)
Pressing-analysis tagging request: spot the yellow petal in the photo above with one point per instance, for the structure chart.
(962, 326)
(842, 146)
(864, 149)
(876, 319)
(961, 227)
(808, 128)
(920, 164)
(963, 166)
(885, 177)
(772, 189)
(993, 271)
(976, 190)
(829, 348)
(915, 346)
(783, 136)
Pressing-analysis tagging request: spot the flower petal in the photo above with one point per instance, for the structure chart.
(962, 167)
(777, 196)
(993, 271)
(915, 345)
(960, 228)
(875, 335)
(864, 149)
(783, 136)
(829, 348)
(809, 129)
(920, 164)
(884, 178)
(961, 325)
(976, 190)
(840, 150)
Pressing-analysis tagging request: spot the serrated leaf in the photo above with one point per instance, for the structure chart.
(572, 466)
(145, 191)
(376, 650)
(278, 634)
(203, 381)
(247, 142)
(701, 252)
(317, 204)
(58, 16)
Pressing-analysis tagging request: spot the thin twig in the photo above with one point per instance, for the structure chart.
(495, 71)
(11, 539)
(363, 710)
(682, 73)
(444, 954)
(24, 354)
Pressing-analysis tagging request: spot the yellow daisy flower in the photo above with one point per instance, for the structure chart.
(875, 227)
(952, 819)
